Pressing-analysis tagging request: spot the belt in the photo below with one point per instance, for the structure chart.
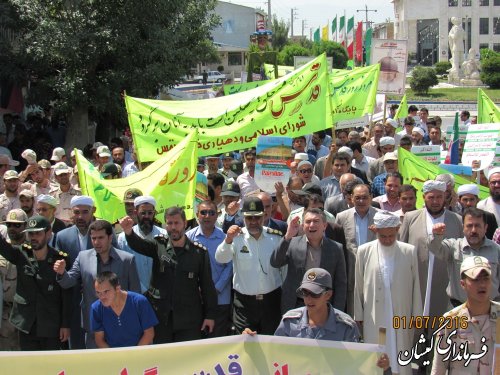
(455, 302)
(258, 297)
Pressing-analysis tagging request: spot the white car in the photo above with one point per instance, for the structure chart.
(213, 76)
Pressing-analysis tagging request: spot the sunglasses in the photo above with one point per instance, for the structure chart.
(306, 293)
(207, 212)
(15, 225)
(306, 171)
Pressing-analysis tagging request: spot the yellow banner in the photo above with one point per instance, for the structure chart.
(234, 355)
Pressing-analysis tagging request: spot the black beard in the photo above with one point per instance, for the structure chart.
(495, 197)
(146, 226)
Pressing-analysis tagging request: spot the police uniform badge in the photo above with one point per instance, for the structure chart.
(12, 216)
(244, 249)
(252, 207)
(311, 276)
(230, 186)
(32, 223)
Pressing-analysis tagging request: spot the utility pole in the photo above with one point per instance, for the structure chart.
(366, 10)
(269, 20)
(304, 24)
(293, 16)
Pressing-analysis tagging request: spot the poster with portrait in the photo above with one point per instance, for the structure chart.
(393, 57)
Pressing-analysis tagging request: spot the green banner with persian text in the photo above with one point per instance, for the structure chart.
(487, 110)
(170, 180)
(241, 87)
(294, 105)
(353, 92)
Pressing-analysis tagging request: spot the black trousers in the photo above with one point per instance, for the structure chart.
(259, 313)
(222, 321)
(31, 342)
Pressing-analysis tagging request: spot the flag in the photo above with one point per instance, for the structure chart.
(334, 29)
(324, 33)
(416, 171)
(402, 110)
(171, 180)
(452, 156)
(342, 31)
(368, 45)
(350, 37)
(359, 43)
(487, 111)
(316, 35)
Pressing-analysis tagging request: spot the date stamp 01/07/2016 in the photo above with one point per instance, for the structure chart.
(428, 322)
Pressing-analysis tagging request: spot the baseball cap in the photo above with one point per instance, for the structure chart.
(131, 194)
(4, 159)
(252, 206)
(45, 164)
(16, 216)
(316, 280)
(103, 151)
(10, 175)
(231, 189)
(227, 155)
(27, 193)
(57, 154)
(29, 155)
(390, 156)
(109, 169)
(96, 145)
(237, 166)
(61, 168)
(37, 223)
(48, 199)
(472, 266)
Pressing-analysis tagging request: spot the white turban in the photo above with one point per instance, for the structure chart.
(301, 156)
(419, 131)
(493, 171)
(468, 189)
(434, 185)
(48, 199)
(386, 219)
(81, 200)
(143, 199)
(384, 141)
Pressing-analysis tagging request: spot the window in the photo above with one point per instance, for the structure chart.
(496, 2)
(234, 58)
(483, 46)
(466, 3)
(496, 25)
(484, 26)
(453, 3)
(496, 47)
(484, 3)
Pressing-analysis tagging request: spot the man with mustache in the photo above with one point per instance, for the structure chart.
(145, 208)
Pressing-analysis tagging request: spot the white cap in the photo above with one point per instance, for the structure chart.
(77, 150)
(434, 185)
(48, 199)
(472, 266)
(103, 151)
(143, 199)
(418, 130)
(390, 156)
(81, 200)
(29, 155)
(304, 162)
(493, 171)
(468, 189)
(301, 156)
(384, 141)
(346, 150)
(57, 154)
(60, 168)
(386, 219)
(392, 122)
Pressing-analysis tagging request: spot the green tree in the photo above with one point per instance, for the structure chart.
(285, 57)
(422, 79)
(84, 53)
(490, 68)
(335, 50)
(280, 33)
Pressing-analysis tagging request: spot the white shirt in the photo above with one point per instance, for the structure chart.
(247, 184)
(252, 271)
(364, 164)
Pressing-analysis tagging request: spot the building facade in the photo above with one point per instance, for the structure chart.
(426, 24)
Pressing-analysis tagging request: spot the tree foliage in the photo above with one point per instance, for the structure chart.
(86, 52)
(280, 33)
(285, 57)
(442, 67)
(490, 68)
(422, 79)
(335, 50)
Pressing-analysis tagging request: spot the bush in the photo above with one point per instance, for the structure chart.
(335, 50)
(490, 71)
(220, 68)
(422, 79)
(442, 67)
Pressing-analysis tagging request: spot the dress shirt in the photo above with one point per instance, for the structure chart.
(330, 186)
(378, 185)
(364, 164)
(386, 205)
(247, 184)
(361, 228)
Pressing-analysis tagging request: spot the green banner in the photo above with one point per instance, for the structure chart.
(416, 171)
(170, 180)
(282, 70)
(241, 87)
(402, 110)
(353, 92)
(289, 106)
(487, 111)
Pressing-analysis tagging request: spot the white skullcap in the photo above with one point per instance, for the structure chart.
(346, 150)
(143, 199)
(392, 122)
(386, 219)
(468, 189)
(81, 200)
(301, 156)
(419, 131)
(384, 141)
(447, 178)
(304, 162)
(434, 185)
(48, 199)
(493, 171)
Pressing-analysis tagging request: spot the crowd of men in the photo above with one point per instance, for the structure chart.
(71, 280)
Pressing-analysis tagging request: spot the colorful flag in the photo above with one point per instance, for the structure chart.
(353, 92)
(334, 29)
(487, 111)
(402, 110)
(350, 38)
(368, 45)
(324, 33)
(316, 35)
(452, 157)
(416, 171)
(359, 43)
(294, 105)
(342, 30)
(170, 180)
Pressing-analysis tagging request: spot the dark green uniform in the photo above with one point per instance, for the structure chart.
(181, 291)
(41, 307)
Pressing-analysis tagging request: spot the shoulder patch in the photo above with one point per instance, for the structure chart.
(199, 245)
(275, 231)
(63, 254)
(26, 246)
(344, 318)
(161, 238)
(293, 314)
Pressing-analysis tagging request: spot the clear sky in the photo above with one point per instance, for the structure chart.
(320, 12)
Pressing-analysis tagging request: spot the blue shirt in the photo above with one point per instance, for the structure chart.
(361, 228)
(143, 263)
(127, 328)
(378, 185)
(330, 186)
(221, 272)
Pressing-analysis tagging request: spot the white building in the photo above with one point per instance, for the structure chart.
(426, 23)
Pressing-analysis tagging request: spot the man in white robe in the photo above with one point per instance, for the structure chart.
(387, 286)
